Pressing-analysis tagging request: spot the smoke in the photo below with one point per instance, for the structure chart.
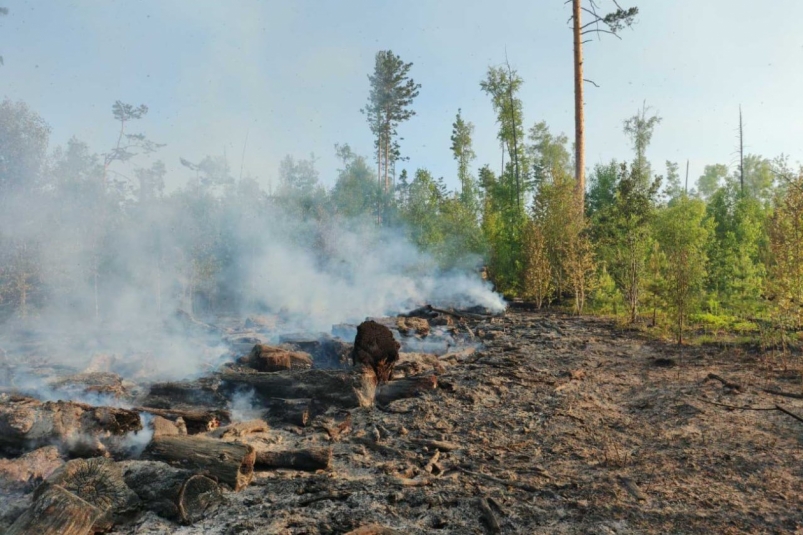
(243, 406)
(93, 263)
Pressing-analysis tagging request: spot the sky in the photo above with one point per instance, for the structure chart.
(257, 80)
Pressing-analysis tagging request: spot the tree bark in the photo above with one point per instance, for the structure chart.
(56, 512)
(308, 460)
(405, 388)
(339, 388)
(172, 493)
(232, 463)
(292, 411)
(579, 115)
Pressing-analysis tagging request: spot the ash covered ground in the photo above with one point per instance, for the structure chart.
(547, 423)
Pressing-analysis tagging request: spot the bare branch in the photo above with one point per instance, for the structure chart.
(591, 82)
(598, 30)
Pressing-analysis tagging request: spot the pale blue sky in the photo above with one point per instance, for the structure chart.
(293, 74)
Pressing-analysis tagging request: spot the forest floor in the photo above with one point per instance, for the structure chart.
(559, 424)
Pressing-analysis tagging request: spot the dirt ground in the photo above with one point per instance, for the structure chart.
(557, 425)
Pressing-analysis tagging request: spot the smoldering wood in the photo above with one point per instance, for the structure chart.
(231, 463)
(338, 388)
(173, 493)
(240, 429)
(27, 423)
(302, 459)
(376, 348)
(412, 325)
(101, 383)
(407, 387)
(267, 358)
(56, 511)
(326, 351)
(292, 411)
(196, 421)
(186, 395)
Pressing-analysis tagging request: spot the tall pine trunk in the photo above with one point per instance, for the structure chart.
(579, 119)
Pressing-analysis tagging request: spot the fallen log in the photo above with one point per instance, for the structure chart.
(306, 460)
(196, 421)
(240, 429)
(173, 493)
(99, 482)
(374, 529)
(201, 392)
(265, 358)
(78, 428)
(407, 387)
(27, 470)
(292, 411)
(412, 325)
(231, 463)
(376, 348)
(56, 512)
(338, 388)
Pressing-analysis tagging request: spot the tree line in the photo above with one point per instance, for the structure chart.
(638, 243)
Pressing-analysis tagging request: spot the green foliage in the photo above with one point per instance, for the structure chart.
(464, 154)
(682, 231)
(786, 267)
(623, 234)
(736, 272)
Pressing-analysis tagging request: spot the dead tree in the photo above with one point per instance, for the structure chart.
(613, 22)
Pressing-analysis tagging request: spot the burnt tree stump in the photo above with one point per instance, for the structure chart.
(375, 348)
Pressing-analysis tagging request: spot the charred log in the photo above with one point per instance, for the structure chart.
(179, 495)
(26, 423)
(185, 394)
(240, 429)
(230, 463)
(376, 348)
(307, 460)
(196, 421)
(337, 388)
(405, 388)
(56, 512)
(292, 411)
(326, 351)
(29, 469)
(265, 358)
(98, 482)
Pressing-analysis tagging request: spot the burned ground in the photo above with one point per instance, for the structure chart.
(557, 424)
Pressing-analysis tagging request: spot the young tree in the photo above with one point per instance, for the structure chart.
(356, 192)
(623, 233)
(464, 154)
(786, 245)
(640, 129)
(682, 232)
(613, 23)
(711, 179)
(502, 84)
(537, 273)
(126, 145)
(392, 93)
